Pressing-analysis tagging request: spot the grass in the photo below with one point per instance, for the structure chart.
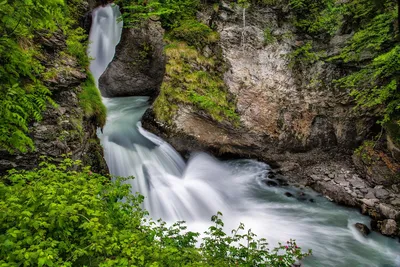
(194, 80)
(90, 101)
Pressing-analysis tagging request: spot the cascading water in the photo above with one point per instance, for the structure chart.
(194, 191)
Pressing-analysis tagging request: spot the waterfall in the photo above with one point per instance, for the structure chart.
(193, 191)
(106, 36)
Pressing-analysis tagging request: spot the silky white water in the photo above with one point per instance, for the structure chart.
(195, 190)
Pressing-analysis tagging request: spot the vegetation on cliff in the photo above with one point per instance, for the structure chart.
(373, 51)
(25, 26)
(193, 76)
(66, 215)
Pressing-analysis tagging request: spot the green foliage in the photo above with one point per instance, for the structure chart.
(193, 79)
(303, 55)
(194, 33)
(91, 103)
(66, 215)
(170, 12)
(374, 50)
(77, 45)
(243, 3)
(317, 16)
(376, 85)
(269, 38)
(23, 96)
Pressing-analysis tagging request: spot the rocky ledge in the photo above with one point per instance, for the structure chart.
(334, 174)
(340, 183)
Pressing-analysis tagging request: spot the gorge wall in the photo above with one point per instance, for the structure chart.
(289, 112)
(65, 129)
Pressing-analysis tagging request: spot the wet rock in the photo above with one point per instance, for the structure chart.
(311, 200)
(139, 63)
(282, 182)
(375, 225)
(335, 192)
(362, 228)
(389, 211)
(271, 183)
(389, 227)
(271, 175)
(288, 194)
(364, 209)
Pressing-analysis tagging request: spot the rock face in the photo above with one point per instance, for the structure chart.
(139, 64)
(284, 106)
(64, 129)
(291, 114)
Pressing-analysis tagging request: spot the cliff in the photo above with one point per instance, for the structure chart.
(68, 125)
(247, 83)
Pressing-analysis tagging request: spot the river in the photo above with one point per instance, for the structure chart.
(194, 190)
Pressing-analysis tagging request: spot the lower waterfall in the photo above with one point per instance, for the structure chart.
(195, 190)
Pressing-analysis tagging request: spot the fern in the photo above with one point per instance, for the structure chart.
(23, 96)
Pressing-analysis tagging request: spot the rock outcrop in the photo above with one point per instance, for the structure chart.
(64, 129)
(291, 114)
(284, 106)
(139, 63)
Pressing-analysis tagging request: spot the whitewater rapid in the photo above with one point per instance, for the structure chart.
(196, 189)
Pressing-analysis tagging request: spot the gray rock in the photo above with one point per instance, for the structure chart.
(344, 183)
(370, 202)
(139, 63)
(363, 229)
(370, 195)
(389, 227)
(396, 202)
(335, 192)
(381, 193)
(316, 177)
(389, 211)
(358, 183)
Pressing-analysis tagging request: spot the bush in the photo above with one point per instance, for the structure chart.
(66, 215)
(23, 95)
(91, 103)
(194, 33)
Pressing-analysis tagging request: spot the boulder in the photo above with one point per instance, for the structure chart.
(139, 63)
(389, 227)
(363, 229)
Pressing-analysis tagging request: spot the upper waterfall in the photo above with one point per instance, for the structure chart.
(105, 33)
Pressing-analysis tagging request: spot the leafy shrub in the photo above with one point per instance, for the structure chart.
(303, 55)
(317, 16)
(171, 12)
(23, 95)
(194, 33)
(91, 103)
(66, 215)
(269, 38)
(189, 83)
